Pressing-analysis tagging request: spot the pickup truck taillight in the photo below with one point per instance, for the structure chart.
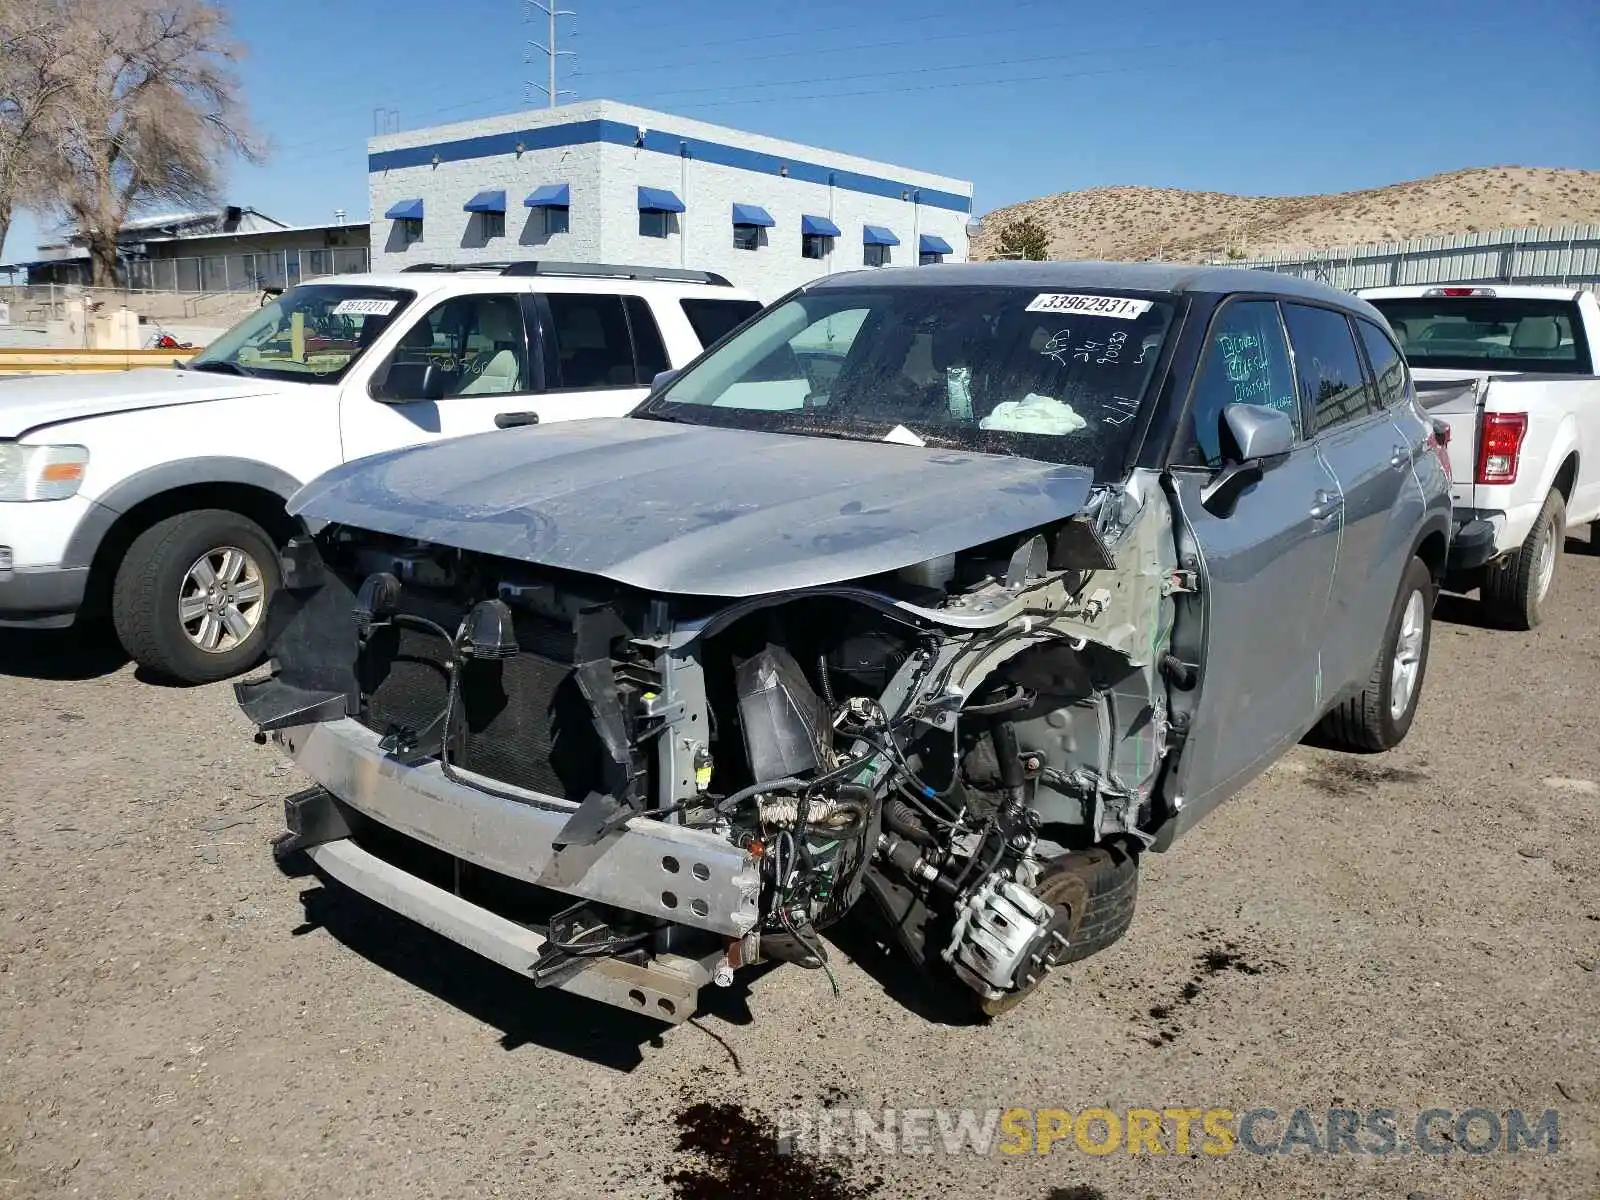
(1499, 445)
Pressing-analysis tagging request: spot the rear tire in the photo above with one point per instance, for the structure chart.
(1094, 893)
(1594, 537)
(1517, 588)
(160, 579)
(1380, 717)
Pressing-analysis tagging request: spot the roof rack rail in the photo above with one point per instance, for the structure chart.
(579, 270)
(498, 268)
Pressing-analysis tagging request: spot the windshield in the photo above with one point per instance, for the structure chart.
(312, 333)
(1008, 370)
(1488, 334)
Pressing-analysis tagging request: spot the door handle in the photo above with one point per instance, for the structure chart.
(1401, 459)
(506, 420)
(1327, 505)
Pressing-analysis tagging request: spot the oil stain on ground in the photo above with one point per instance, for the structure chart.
(1080, 1191)
(1352, 777)
(735, 1156)
(1220, 955)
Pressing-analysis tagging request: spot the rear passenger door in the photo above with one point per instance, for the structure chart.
(1371, 465)
(599, 353)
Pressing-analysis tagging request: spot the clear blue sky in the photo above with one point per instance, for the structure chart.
(1025, 97)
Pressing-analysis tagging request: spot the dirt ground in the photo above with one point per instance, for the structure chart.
(1415, 930)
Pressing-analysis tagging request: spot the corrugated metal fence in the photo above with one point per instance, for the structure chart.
(1567, 254)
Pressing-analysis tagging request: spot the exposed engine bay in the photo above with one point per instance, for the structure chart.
(974, 744)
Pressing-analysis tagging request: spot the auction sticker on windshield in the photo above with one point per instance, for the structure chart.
(368, 307)
(1090, 306)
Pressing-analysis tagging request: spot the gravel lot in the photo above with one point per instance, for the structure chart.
(178, 1019)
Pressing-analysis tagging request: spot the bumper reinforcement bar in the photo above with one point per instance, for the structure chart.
(653, 990)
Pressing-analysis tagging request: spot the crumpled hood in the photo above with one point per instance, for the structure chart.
(50, 399)
(694, 510)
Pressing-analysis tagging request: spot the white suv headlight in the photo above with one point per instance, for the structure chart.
(41, 472)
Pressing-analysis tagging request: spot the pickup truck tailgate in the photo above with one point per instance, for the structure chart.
(1456, 402)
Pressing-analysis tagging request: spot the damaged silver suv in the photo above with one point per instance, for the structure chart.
(948, 592)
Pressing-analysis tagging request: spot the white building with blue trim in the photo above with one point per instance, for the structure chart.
(600, 181)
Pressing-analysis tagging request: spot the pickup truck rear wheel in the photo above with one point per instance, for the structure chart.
(1380, 717)
(1517, 587)
(190, 598)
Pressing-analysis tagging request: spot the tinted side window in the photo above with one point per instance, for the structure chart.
(650, 354)
(476, 342)
(1387, 365)
(710, 319)
(592, 348)
(1329, 368)
(1246, 362)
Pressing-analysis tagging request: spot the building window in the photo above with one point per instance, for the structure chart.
(557, 220)
(875, 256)
(494, 224)
(410, 231)
(814, 245)
(747, 237)
(652, 223)
(929, 259)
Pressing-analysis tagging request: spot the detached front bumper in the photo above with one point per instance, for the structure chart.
(663, 871)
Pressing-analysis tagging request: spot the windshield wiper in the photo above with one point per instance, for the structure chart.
(222, 365)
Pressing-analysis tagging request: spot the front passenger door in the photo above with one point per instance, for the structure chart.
(477, 346)
(1265, 567)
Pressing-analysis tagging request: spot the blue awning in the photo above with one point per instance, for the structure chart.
(494, 201)
(551, 195)
(405, 210)
(877, 235)
(930, 244)
(819, 226)
(659, 200)
(752, 214)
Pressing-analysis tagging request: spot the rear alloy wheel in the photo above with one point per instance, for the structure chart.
(1516, 588)
(1380, 717)
(190, 599)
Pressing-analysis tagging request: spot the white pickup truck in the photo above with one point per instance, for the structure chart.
(158, 495)
(1511, 371)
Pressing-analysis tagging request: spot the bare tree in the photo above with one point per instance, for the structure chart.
(152, 115)
(35, 75)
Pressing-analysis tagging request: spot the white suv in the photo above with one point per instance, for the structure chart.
(159, 494)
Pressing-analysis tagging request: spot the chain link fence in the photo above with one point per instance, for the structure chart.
(244, 272)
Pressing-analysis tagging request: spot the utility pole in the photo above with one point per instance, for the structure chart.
(548, 49)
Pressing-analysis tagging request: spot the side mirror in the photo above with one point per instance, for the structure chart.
(663, 378)
(409, 381)
(1260, 434)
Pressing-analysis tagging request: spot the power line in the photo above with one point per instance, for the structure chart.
(1314, 47)
(1434, 39)
(1097, 52)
